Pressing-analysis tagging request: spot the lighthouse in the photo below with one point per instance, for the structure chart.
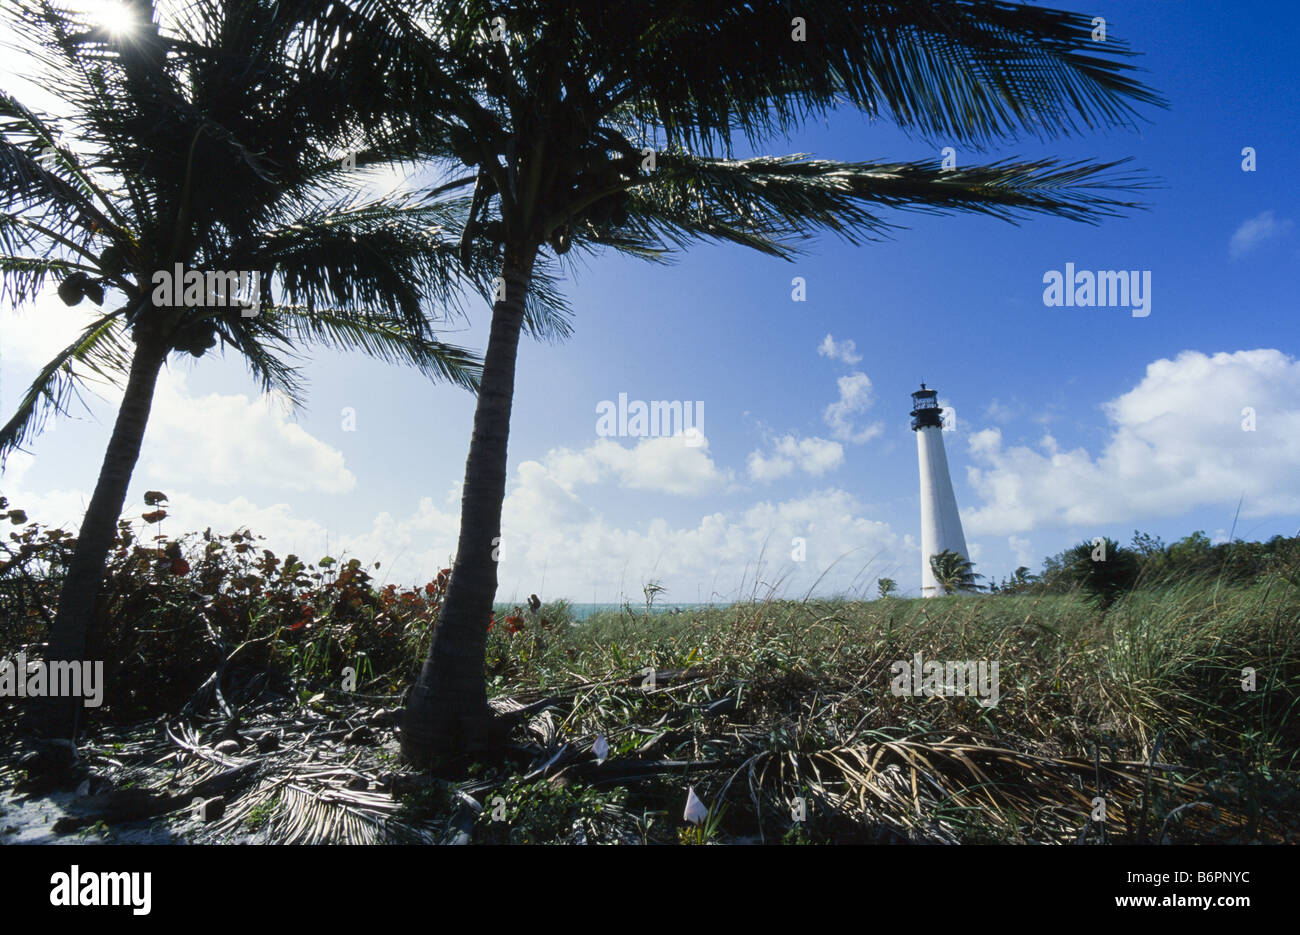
(940, 522)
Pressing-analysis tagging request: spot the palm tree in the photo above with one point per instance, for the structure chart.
(1021, 580)
(588, 125)
(954, 572)
(1104, 570)
(207, 137)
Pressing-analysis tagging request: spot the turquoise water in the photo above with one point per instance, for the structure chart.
(583, 611)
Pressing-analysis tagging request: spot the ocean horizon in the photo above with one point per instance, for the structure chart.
(583, 611)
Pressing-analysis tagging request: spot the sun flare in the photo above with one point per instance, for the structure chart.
(117, 16)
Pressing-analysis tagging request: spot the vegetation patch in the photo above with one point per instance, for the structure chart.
(274, 686)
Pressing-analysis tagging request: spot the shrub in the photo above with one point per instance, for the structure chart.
(171, 610)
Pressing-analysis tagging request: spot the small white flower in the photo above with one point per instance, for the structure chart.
(696, 811)
(600, 748)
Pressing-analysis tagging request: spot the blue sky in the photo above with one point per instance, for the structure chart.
(1071, 422)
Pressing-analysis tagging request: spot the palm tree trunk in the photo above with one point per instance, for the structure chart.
(85, 571)
(447, 719)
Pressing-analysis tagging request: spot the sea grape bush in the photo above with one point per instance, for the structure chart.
(171, 609)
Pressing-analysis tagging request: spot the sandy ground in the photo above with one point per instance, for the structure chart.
(29, 819)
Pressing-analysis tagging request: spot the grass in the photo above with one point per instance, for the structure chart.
(1142, 706)
(261, 813)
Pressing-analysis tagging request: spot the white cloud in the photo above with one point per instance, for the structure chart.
(235, 440)
(289, 533)
(232, 440)
(55, 508)
(1022, 549)
(34, 333)
(845, 351)
(16, 467)
(664, 463)
(730, 553)
(1177, 443)
(1255, 231)
(855, 398)
(999, 412)
(813, 456)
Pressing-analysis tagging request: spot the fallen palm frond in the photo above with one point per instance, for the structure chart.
(319, 809)
(933, 790)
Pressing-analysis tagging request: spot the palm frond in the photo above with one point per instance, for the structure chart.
(22, 278)
(272, 372)
(384, 338)
(99, 348)
(769, 198)
(548, 316)
(962, 70)
(384, 255)
(319, 810)
(36, 170)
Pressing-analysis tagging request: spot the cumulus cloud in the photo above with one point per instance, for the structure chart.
(237, 440)
(56, 507)
(814, 456)
(1198, 430)
(230, 440)
(1255, 231)
(855, 398)
(277, 521)
(720, 556)
(33, 334)
(664, 463)
(845, 351)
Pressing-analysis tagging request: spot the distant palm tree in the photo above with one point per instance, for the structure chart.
(1104, 570)
(1021, 580)
(585, 125)
(208, 137)
(954, 572)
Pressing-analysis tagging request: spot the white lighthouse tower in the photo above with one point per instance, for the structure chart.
(940, 522)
